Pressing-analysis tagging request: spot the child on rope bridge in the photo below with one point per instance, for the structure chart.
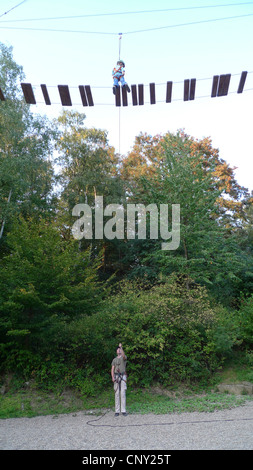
(118, 76)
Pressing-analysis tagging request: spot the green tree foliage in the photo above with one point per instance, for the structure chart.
(88, 168)
(176, 169)
(45, 284)
(246, 322)
(88, 164)
(26, 173)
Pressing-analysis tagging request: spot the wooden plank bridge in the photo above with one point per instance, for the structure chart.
(220, 87)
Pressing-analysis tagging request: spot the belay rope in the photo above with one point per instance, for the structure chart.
(120, 37)
(118, 378)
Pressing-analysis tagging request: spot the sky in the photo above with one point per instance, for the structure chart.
(82, 50)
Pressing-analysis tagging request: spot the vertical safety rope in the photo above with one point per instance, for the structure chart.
(120, 37)
(119, 129)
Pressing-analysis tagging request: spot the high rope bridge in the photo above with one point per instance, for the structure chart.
(220, 87)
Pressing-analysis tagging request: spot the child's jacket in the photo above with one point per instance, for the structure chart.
(118, 71)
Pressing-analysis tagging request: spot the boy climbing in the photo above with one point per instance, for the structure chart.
(118, 76)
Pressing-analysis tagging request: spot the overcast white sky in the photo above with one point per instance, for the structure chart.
(173, 53)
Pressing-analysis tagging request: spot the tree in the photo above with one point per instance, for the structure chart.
(178, 170)
(46, 283)
(26, 173)
(88, 168)
(88, 164)
(148, 155)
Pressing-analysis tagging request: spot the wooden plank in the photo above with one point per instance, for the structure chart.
(242, 82)
(89, 95)
(28, 93)
(215, 86)
(117, 97)
(64, 95)
(2, 98)
(186, 89)
(221, 85)
(224, 85)
(124, 96)
(134, 95)
(45, 94)
(83, 95)
(141, 94)
(227, 83)
(192, 89)
(169, 92)
(152, 93)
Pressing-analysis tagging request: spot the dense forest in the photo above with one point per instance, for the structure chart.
(66, 303)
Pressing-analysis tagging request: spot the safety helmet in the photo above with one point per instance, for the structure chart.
(121, 62)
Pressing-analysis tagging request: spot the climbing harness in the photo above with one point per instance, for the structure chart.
(118, 378)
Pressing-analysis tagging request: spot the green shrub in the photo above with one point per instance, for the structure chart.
(170, 332)
(165, 330)
(246, 321)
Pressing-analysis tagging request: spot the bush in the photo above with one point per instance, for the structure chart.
(167, 331)
(246, 321)
(170, 332)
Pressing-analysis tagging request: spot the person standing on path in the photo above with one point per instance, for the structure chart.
(119, 378)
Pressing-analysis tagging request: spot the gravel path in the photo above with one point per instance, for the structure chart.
(225, 430)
